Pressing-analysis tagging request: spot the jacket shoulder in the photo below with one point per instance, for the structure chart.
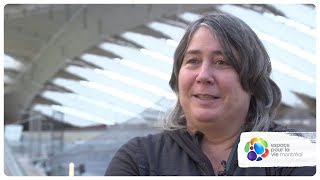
(153, 143)
(132, 156)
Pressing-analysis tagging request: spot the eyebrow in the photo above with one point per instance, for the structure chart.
(217, 52)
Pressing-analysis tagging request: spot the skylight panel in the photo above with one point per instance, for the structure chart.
(144, 69)
(89, 92)
(298, 12)
(284, 68)
(11, 63)
(76, 121)
(291, 48)
(149, 42)
(82, 114)
(112, 81)
(293, 84)
(136, 56)
(137, 83)
(173, 32)
(114, 65)
(291, 60)
(123, 95)
(107, 106)
(157, 55)
(189, 17)
(172, 43)
(294, 24)
(289, 84)
(91, 107)
(280, 31)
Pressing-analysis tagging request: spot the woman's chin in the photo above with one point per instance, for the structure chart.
(206, 119)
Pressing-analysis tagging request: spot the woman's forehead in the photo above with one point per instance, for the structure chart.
(203, 39)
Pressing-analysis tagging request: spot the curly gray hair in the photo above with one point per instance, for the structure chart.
(248, 57)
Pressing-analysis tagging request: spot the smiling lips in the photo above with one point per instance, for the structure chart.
(205, 96)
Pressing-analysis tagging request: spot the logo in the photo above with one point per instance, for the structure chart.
(256, 149)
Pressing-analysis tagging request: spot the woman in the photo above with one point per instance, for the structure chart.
(221, 76)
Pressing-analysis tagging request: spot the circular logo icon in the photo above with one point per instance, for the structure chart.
(256, 149)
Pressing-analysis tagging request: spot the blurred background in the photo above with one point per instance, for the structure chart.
(81, 80)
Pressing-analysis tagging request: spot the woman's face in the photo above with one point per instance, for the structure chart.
(210, 92)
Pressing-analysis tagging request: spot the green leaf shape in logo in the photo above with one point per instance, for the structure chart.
(246, 148)
(264, 142)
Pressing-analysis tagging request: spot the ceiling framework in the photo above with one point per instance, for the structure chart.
(108, 64)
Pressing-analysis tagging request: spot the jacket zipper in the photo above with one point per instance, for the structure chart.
(205, 165)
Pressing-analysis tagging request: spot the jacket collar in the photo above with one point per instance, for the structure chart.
(190, 143)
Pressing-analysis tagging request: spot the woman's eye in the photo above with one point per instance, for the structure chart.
(220, 62)
(192, 61)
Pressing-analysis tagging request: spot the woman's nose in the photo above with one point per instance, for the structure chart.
(205, 75)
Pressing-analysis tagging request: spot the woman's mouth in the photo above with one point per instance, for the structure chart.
(206, 97)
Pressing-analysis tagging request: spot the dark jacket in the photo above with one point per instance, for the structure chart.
(179, 153)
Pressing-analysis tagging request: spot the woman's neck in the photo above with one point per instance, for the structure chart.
(218, 148)
(217, 136)
(223, 139)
